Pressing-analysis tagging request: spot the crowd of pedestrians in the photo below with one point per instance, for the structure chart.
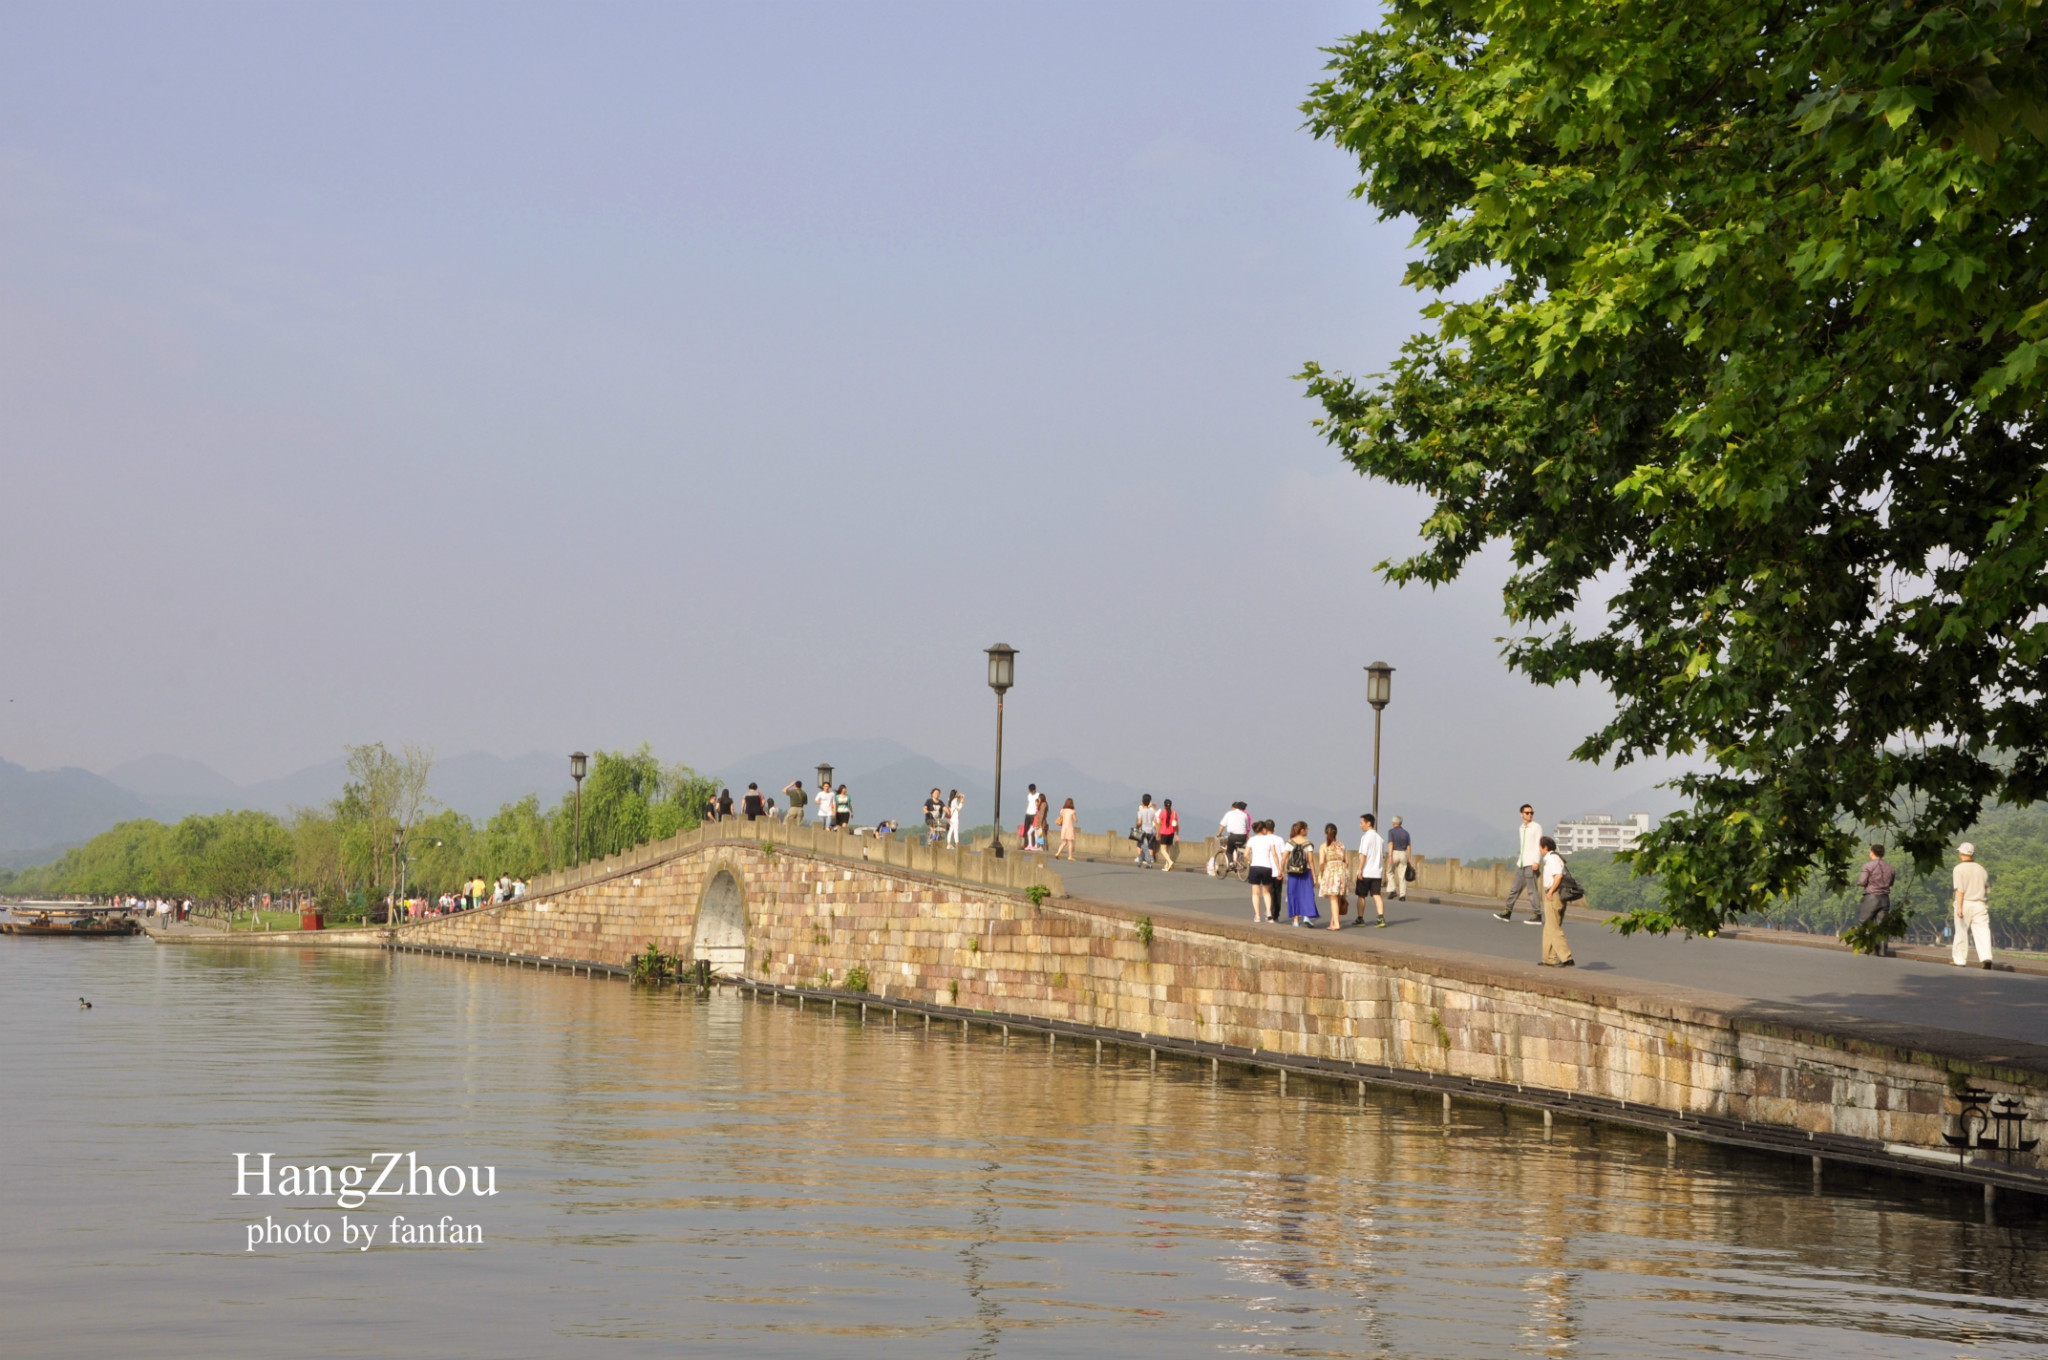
(1306, 882)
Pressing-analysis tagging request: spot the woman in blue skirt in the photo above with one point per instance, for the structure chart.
(1301, 876)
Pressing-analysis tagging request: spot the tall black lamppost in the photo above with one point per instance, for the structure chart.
(1379, 687)
(397, 853)
(1002, 673)
(578, 763)
(405, 861)
(825, 783)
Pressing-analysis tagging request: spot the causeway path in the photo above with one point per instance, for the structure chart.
(1844, 986)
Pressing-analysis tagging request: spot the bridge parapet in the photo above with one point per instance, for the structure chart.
(1017, 872)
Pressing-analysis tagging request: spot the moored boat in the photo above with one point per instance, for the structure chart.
(68, 919)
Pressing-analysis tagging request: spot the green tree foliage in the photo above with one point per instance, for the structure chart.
(231, 857)
(630, 798)
(519, 841)
(1742, 310)
(2012, 843)
(344, 851)
(227, 857)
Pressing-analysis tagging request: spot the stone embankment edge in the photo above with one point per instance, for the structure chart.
(1499, 1095)
(2009, 1060)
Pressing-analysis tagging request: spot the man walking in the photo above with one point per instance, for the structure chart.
(1876, 882)
(1528, 856)
(1973, 907)
(1372, 850)
(1263, 851)
(798, 801)
(1147, 831)
(1557, 951)
(1397, 860)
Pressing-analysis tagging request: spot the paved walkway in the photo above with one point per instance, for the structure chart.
(1843, 985)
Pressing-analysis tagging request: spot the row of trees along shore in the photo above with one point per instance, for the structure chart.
(345, 856)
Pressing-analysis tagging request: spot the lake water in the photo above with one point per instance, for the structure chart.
(682, 1175)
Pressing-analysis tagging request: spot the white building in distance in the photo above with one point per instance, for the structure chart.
(1598, 831)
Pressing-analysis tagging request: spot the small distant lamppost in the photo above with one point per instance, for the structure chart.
(1379, 687)
(578, 765)
(1002, 673)
(825, 783)
(398, 853)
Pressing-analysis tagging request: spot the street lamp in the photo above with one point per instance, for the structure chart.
(825, 783)
(405, 860)
(1379, 688)
(1002, 673)
(578, 763)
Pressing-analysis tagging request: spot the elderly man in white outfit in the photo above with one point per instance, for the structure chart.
(1973, 907)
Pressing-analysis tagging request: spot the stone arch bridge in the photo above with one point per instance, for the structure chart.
(799, 907)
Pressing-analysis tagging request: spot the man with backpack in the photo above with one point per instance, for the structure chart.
(1558, 887)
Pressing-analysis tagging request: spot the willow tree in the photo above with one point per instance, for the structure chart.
(1738, 310)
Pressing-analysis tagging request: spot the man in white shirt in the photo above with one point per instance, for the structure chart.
(1372, 869)
(1557, 952)
(825, 805)
(1263, 852)
(1528, 855)
(1973, 907)
(1235, 828)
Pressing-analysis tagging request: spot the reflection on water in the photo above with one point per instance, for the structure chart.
(724, 1177)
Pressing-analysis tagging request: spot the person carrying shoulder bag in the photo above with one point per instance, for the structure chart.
(1558, 887)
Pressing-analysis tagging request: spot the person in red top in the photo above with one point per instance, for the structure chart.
(1169, 827)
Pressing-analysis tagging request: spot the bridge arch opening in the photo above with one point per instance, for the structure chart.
(721, 934)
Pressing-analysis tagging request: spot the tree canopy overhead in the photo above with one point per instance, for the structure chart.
(1742, 306)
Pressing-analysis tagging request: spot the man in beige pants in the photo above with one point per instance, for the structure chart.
(1557, 951)
(1397, 860)
(1973, 907)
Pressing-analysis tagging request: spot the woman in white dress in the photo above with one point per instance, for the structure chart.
(955, 805)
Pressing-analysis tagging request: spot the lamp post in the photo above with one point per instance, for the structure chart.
(825, 783)
(1002, 673)
(397, 853)
(578, 764)
(405, 861)
(1379, 687)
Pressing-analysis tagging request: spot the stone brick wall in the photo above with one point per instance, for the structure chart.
(810, 918)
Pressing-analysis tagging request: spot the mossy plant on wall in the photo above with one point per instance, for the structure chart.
(1145, 932)
(1038, 892)
(953, 991)
(856, 979)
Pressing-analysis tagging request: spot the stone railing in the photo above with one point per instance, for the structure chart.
(1431, 876)
(1014, 871)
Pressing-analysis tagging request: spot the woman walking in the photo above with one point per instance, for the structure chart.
(955, 805)
(1069, 823)
(842, 807)
(1169, 831)
(1301, 878)
(1333, 869)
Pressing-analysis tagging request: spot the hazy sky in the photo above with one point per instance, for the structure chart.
(509, 377)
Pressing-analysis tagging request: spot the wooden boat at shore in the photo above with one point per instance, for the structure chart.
(68, 920)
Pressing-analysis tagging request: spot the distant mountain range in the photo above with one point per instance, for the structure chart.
(45, 812)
